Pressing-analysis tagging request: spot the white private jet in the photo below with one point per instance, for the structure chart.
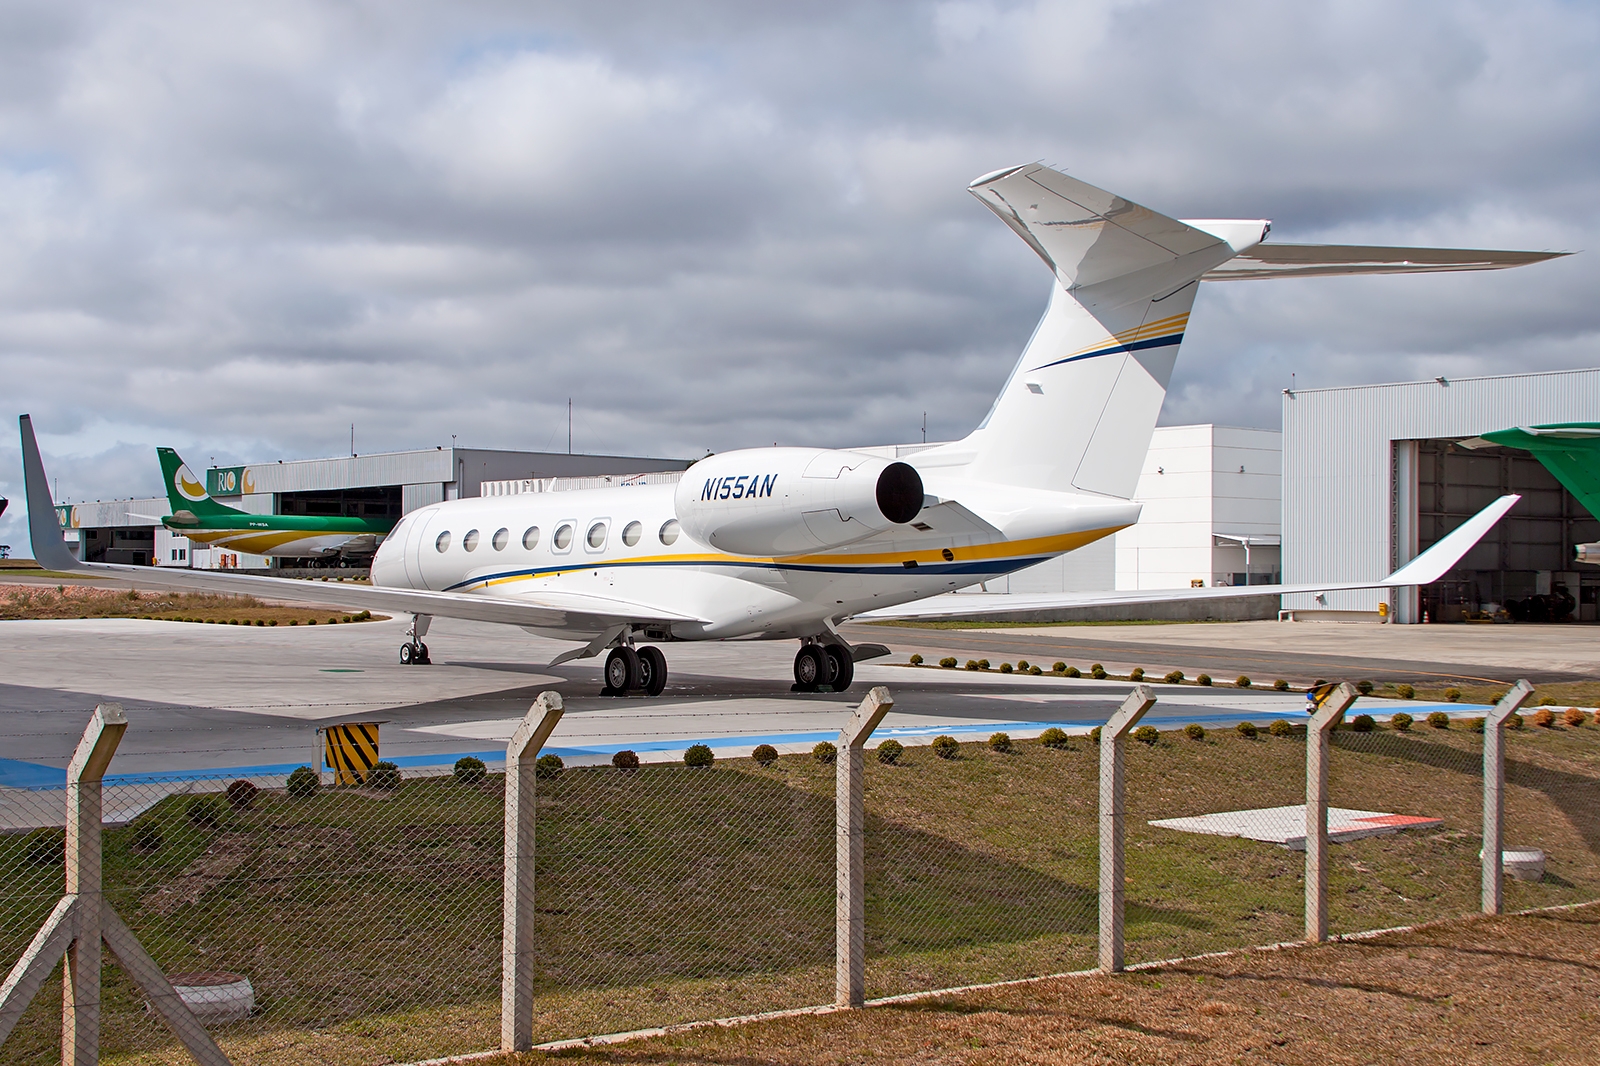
(786, 543)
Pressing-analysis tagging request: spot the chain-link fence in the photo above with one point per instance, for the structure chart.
(367, 920)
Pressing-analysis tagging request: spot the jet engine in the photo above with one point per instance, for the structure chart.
(786, 501)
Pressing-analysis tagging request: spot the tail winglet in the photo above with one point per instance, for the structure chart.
(44, 529)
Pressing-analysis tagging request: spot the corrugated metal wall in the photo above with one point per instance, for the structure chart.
(1338, 459)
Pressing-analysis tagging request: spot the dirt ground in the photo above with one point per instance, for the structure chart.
(83, 601)
(1522, 989)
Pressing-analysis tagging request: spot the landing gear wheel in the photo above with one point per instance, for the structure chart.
(652, 671)
(408, 654)
(622, 671)
(810, 668)
(841, 667)
(422, 654)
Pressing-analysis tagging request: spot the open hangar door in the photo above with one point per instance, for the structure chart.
(1523, 569)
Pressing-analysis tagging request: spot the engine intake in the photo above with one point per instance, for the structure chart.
(787, 501)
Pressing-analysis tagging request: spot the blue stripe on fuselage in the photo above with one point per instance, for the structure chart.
(1136, 346)
(978, 567)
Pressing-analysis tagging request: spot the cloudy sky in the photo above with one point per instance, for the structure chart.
(238, 228)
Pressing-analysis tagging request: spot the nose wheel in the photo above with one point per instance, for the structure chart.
(628, 671)
(414, 653)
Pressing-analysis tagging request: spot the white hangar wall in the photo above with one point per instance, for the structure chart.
(1350, 508)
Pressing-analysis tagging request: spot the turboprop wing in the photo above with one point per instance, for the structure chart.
(1425, 569)
(578, 612)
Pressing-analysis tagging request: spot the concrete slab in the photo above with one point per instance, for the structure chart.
(1286, 826)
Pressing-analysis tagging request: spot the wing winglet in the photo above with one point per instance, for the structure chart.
(1434, 563)
(44, 529)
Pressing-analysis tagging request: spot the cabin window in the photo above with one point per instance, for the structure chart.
(597, 535)
(470, 541)
(443, 541)
(632, 532)
(501, 538)
(669, 531)
(530, 539)
(563, 539)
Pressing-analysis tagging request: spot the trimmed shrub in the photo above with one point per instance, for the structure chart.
(1005, 668)
(890, 751)
(303, 782)
(972, 664)
(946, 746)
(1477, 725)
(764, 755)
(1097, 672)
(1402, 722)
(824, 752)
(1072, 671)
(1241, 681)
(1362, 723)
(983, 664)
(385, 775)
(1514, 722)
(698, 755)
(548, 765)
(1544, 718)
(1452, 695)
(1136, 674)
(1147, 734)
(1194, 731)
(1405, 692)
(1203, 679)
(1280, 685)
(241, 794)
(1364, 687)
(1054, 737)
(1547, 701)
(1248, 730)
(46, 847)
(948, 662)
(1281, 728)
(1000, 742)
(1059, 668)
(469, 770)
(1175, 677)
(1574, 717)
(1034, 670)
(627, 759)
(204, 812)
(1438, 719)
(1094, 734)
(1022, 664)
(916, 660)
(147, 835)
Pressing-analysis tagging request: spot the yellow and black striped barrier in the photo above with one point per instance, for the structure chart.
(350, 751)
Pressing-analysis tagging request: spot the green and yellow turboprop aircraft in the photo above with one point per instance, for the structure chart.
(1570, 451)
(205, 521)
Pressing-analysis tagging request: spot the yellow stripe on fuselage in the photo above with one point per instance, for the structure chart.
(1137, 333)
(251, 542)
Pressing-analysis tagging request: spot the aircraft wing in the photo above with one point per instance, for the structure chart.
(1321, 260)
(1425, 569)
(557, 610)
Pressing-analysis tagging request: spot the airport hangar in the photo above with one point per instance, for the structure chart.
(1359, 481)
(387, 484)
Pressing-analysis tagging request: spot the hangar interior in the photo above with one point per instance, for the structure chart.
(1524, 566)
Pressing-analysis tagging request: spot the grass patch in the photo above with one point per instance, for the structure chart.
(369, 923)
(82, 601)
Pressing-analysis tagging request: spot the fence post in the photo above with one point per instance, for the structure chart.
(1113, 743)
(80, 974)
(517, 944)
(1494, 799)
(1319, 731)
(850, 882)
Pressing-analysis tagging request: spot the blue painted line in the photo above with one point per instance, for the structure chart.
(14, 773)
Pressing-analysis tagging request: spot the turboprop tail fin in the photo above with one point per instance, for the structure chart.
(185, 492)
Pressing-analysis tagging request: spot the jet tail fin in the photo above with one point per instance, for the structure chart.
(185, 492)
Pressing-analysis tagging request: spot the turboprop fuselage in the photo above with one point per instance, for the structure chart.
(635, 544)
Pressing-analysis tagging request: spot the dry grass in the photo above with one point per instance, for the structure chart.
(83, 601)
(1505, 990)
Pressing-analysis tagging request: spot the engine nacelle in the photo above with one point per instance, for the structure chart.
(786, 501)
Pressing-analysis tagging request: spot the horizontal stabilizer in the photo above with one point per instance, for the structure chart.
(1322, 260)
(1425, 569)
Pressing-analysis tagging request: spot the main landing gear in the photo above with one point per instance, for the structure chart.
(823, 668)
(628, 670)
(413, 652)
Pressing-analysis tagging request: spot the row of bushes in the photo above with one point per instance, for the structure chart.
(1096, 671)
(362, 617)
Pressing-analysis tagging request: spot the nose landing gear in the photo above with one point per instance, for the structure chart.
(823, 667)
(628, 671)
